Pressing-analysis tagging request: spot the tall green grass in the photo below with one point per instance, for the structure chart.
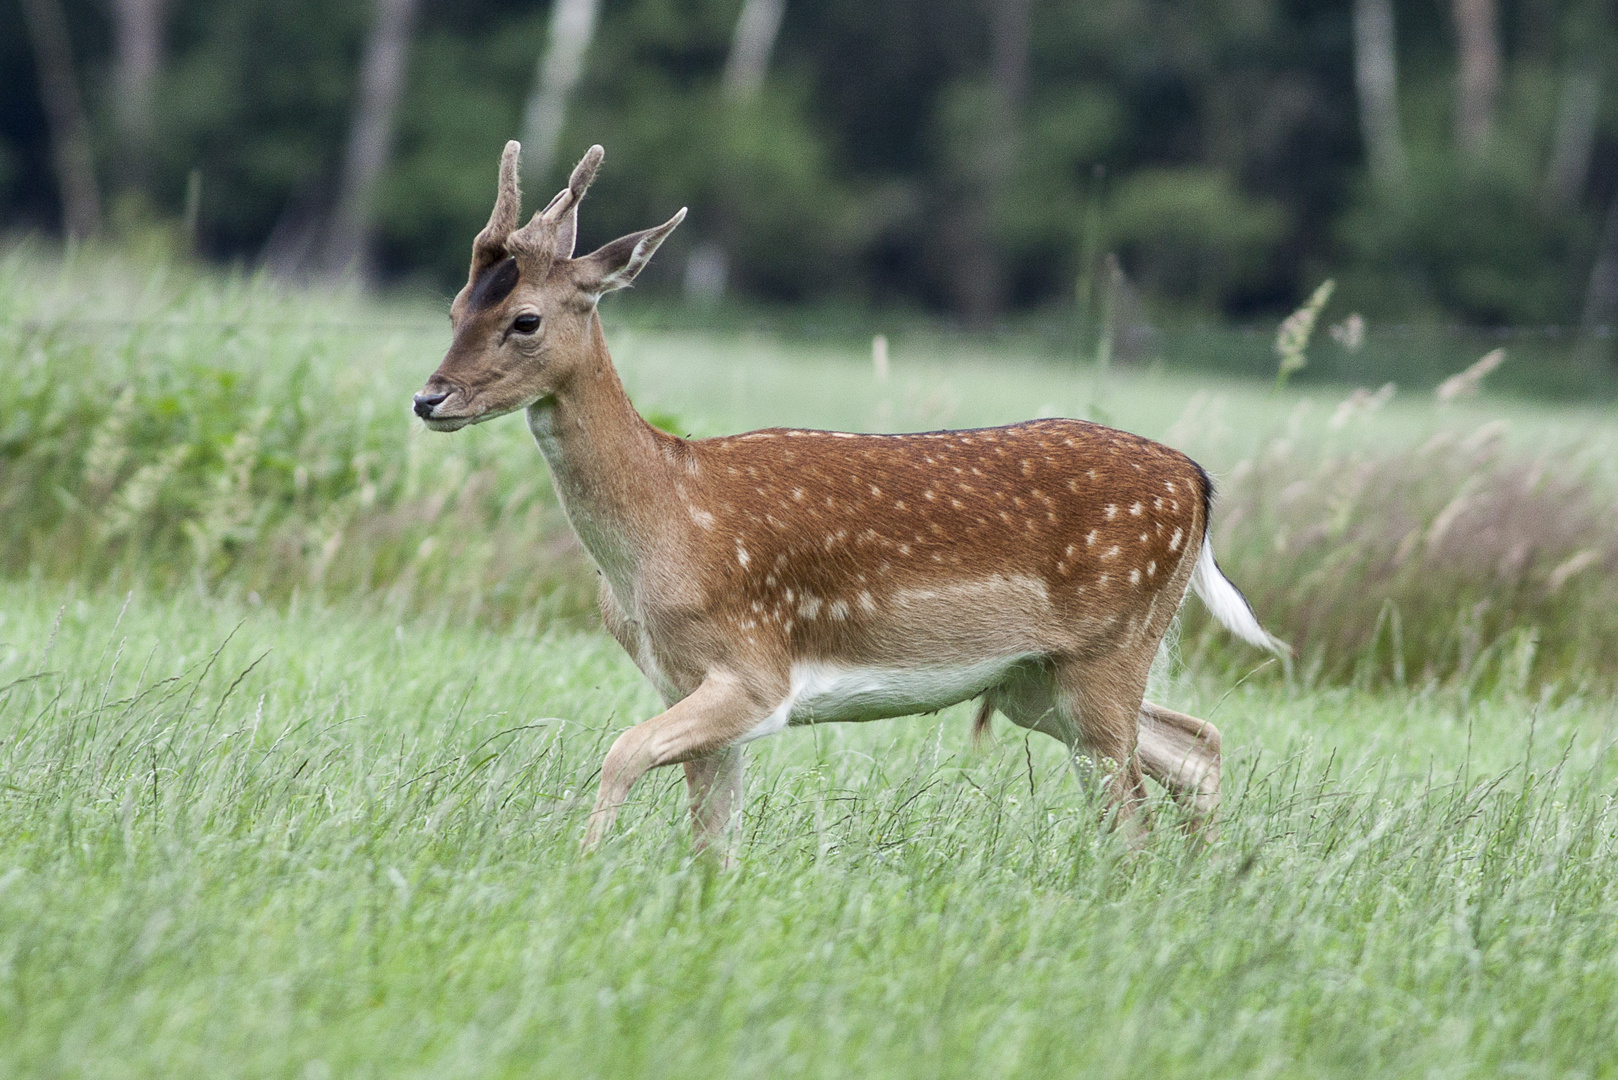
(315, 842)
(214, 433)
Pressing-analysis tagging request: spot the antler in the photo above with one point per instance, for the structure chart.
(490, 245)
(551, 233)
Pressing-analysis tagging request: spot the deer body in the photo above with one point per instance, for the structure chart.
(784, 577)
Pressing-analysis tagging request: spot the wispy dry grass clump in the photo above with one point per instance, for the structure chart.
(1456, 561)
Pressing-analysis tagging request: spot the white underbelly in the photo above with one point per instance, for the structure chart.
(830, 693)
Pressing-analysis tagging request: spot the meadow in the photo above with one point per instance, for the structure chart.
(301, 707)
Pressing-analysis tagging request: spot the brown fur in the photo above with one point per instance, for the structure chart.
(748, 574)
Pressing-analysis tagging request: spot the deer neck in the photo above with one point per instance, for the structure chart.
(607, 464)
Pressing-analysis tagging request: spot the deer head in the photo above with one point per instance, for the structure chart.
(522, 324)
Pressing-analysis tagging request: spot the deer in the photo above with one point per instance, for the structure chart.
(779, 578)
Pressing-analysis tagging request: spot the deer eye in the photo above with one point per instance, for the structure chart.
(525, 324)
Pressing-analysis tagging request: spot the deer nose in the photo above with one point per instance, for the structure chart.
(426, 403)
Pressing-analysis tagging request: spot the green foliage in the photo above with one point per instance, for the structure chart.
(755, 175)
(225, 434)
(244, 843)
(1476, 238)
(882, 164)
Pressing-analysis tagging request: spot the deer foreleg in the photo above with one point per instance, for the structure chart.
(715, 786)
(717, 714)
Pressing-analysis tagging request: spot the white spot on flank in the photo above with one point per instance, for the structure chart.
(809, 606)
(1134, 577)
(1151, 569)
(1111, 552)
(797, 493)
(1174, 543)
(1112, 511)
(866, 602)
(1135, 510)
(742, 556)
(700, 516)
(838, 609)
(1090, 538)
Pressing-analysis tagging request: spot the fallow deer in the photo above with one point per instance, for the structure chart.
(777, 578)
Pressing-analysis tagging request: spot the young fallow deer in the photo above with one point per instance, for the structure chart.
(778, 578)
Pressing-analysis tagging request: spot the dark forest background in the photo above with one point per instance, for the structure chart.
(1442, 159)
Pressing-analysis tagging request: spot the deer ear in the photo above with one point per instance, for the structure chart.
(616, 265)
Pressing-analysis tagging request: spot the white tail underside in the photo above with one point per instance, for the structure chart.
(1228, 604)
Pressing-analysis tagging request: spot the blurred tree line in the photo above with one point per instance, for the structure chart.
(1456, 159)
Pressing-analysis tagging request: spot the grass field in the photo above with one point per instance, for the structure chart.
(258, 822)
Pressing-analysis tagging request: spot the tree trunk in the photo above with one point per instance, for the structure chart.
(750, 47)
(1376, 80)
(382, 80)
(1477, 82)
(1601, 297)
(64, 112)
(978, 270)
(138, 57)
(573, 27)
(707, 267)
(1576, 119)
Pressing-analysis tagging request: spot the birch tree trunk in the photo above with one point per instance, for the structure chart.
(750, 47)
(573, 27)
(1601, 296)
(1477, 82)
(64, 113)
(381, 85)
(1376, 81)
(1576, 119)
(138, 57)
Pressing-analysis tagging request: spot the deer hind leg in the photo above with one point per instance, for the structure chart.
(714, 783)
(1101, 697)
(710, 721)
(1029, 698)
(1182, 753)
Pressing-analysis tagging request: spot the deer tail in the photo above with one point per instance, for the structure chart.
(1229, 606)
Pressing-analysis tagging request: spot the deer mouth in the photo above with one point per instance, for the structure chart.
(447, 423)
